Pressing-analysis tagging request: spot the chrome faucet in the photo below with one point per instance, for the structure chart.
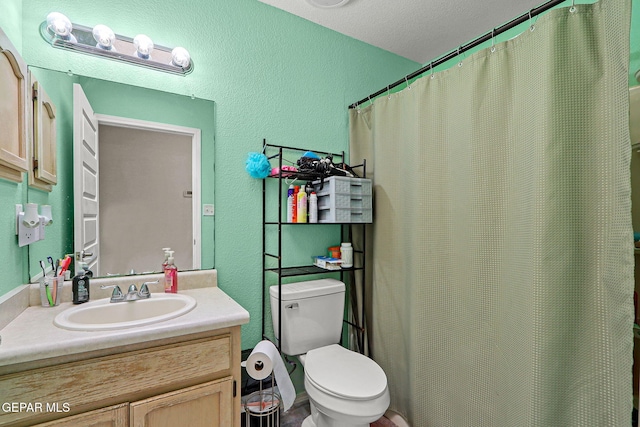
(133, 294)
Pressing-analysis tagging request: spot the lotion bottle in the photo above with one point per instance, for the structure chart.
(171, 275)
(302, 206)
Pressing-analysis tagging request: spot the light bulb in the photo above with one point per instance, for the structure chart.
(144, 46)
(60, 25)
(104, 36)
(180, 57)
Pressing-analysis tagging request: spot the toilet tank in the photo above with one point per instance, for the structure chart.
(312, 314)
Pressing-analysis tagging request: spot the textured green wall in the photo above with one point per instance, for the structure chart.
(271, 74)
(11, 193)
(11, 21)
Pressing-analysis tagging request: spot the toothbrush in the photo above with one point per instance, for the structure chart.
(46, 285)
(64, 264)
(49, 297)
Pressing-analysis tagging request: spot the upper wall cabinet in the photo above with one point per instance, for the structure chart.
(42, 173)
(13, 112)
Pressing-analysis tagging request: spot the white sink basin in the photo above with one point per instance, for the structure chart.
(103, 315)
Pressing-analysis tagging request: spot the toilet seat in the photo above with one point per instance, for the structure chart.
(344, 373)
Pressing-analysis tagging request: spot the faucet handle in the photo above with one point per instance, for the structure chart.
(132, 288)
(116, 295)
(144, 289)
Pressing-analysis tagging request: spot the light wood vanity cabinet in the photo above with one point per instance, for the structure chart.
(113, 416)
(190, 383)
(205, 405)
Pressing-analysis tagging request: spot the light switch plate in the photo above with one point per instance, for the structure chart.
(207, 210)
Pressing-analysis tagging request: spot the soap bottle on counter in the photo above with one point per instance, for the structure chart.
(80, 286)
(171, 275)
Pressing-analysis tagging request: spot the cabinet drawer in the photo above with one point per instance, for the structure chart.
(103, 381)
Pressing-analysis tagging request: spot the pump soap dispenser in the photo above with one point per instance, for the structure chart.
(171, 275)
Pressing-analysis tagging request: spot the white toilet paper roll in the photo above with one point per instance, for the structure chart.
(265, 359)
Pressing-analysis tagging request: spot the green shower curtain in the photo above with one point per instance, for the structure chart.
(501, 284)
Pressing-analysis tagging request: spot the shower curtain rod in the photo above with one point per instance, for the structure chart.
(488, 36)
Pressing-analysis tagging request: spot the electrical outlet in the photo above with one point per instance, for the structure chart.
(207, 210)
(25, 234)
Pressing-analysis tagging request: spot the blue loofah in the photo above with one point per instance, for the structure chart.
(311, 154)
(258, 165)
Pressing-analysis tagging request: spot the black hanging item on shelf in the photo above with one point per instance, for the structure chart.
(313, 168)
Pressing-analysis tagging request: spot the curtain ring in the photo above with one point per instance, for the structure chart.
(573, 6)
(388, 93)
(407, 82)
(531, 26)
(431, 67)
(493, 40)
(459, 62)
(370, 102)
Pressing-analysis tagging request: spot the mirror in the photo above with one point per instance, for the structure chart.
(148, 137)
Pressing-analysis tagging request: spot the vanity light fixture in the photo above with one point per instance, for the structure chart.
(101, 41)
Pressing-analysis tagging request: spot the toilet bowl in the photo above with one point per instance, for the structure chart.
(345, 388)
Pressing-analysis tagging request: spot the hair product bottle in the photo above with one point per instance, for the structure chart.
(290, 204)
(294, 217)
(302, 205)
(313, 208)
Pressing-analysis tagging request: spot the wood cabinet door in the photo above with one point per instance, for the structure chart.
(14, 107)
(112, 416)
(205, 405)
(44, 168)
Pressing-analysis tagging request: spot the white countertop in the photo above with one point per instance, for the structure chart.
(32, 336)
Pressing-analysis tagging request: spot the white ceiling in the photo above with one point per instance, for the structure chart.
(420, 30)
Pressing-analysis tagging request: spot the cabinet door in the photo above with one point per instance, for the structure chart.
(43, 173)
(13, 111)
(205, 405)
(113, 416)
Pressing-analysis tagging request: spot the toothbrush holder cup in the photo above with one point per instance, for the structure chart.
(51, 290)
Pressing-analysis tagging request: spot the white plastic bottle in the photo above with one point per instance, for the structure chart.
(346, 255)
(290, 203)
(313, 208)
(302, 205)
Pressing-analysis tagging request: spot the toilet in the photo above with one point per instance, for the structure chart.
(345, 388)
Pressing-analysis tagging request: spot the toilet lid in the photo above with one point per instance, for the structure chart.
(345, 373)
